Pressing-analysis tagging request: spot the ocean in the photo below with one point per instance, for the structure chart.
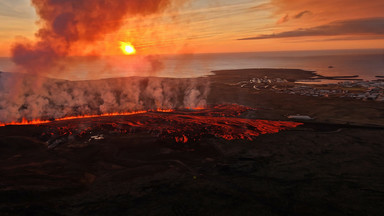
(367, 64)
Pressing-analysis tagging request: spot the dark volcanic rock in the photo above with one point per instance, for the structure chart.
(301, 172)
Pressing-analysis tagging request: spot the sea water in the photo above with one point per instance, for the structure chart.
(367, 64)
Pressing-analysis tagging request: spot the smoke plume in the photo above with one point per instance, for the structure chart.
(59, 98)
(73, 27)
(68, 27)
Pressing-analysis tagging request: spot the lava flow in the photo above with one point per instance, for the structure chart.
(178, 126)
(39, 121)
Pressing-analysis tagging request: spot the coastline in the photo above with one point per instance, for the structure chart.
(275, 104)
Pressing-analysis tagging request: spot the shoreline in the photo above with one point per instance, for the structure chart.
(269, 91)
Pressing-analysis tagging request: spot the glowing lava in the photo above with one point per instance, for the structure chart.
(39, 121)
(180, 126)
(127, 48)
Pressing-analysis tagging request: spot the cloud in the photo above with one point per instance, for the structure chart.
(368, 26)
(283, 19)
(287, 18)
(328, 11)
(301, 14)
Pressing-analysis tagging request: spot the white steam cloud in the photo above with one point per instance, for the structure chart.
(31, 97)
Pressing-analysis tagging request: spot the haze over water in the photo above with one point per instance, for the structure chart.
(365, 63)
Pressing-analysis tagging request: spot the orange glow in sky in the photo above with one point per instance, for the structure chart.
(204, 26)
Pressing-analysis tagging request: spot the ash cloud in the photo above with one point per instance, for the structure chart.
(369, 26)
(59, 98)
(66, 24)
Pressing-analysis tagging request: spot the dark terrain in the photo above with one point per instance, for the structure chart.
(332, 165)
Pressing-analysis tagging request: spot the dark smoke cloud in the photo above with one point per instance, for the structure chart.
(65, 23)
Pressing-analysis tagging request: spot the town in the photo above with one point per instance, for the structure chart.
(357, 89)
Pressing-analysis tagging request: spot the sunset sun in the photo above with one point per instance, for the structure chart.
(127, 48)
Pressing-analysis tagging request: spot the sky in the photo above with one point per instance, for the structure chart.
(210, 26)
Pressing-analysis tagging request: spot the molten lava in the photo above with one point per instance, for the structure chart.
(180, 126)
(39, 121)
(127, 48)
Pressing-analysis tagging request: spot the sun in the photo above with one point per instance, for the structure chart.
(127, 48)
